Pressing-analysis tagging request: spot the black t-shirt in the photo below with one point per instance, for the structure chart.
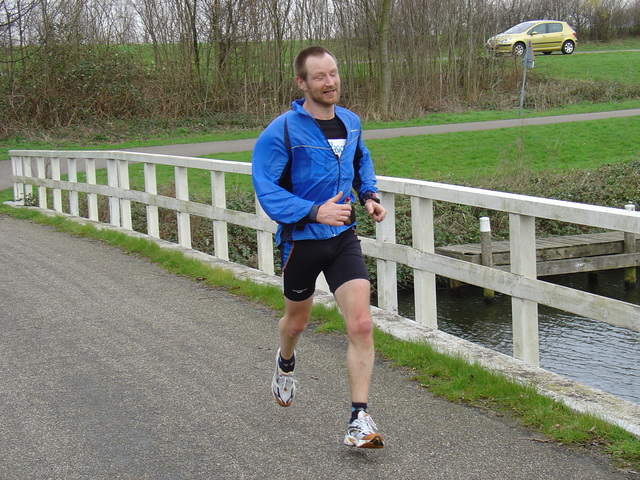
(336, 133)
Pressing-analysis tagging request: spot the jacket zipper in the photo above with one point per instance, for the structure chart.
(338, 158)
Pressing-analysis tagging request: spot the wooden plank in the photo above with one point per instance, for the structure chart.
(590, 264)
(557, 255)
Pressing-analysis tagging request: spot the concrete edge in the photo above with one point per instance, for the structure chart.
(576, 396)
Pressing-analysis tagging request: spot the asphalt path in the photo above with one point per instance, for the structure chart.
(110, 367)
(208, 148)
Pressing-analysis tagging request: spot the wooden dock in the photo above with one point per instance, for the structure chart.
(560, 255)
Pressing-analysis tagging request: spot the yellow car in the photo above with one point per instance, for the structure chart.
(546, 36)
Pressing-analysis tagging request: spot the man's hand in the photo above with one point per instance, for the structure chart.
(333, 213)
(376, 210)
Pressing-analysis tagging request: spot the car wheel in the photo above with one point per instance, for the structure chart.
(519, 49)
(547, 53)
(568, 47)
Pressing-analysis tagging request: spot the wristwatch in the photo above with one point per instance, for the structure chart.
(369, 195)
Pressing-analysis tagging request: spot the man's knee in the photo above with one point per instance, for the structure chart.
(296, 316)
(294, 323)
(295, 328)
(360, 327)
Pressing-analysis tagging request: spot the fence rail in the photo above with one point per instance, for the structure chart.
(42, 170)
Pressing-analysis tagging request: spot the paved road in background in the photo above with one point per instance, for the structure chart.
(207, 148)
(110, 367)
(196, 149)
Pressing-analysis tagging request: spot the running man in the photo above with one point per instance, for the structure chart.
(306, 165)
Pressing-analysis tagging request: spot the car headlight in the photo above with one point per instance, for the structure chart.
(495, 41)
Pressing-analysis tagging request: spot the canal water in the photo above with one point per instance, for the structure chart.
(590, 352)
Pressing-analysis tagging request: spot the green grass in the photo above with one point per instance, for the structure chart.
(443, 375)
(172, 139)
(625, 43)
(623, 67)
(469, 155)
(466, 156)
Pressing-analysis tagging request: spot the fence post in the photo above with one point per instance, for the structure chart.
(182, 193)
(265, 245)
(92, 198)
(72, 175)
(27, 170)
(57, 193)
(125, 203)
(386, 270)
(522, 238)
(151, 187)
(486, 254)
(42, 190)
(220, 231)
(19, 193)
(630, 247)
(424, 283)
(112, 182)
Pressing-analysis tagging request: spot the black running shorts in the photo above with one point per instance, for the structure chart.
(340, 258)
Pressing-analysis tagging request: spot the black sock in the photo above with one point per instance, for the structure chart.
(355, 408)
(287, 365)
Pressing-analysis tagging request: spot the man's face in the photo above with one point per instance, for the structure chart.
(322, 84)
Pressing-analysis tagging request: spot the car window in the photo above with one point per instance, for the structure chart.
(538, 29)
(520, 28)
(555, 27)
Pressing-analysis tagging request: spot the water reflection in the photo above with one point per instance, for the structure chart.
(590, 352)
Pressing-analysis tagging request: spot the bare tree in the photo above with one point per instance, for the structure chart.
(383, 57)
(62, 60)
(603, 15)
(633, 17)
(279, 26)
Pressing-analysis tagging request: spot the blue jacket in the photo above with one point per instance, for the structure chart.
(295, 171)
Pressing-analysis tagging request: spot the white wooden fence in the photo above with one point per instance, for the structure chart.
(42, 170)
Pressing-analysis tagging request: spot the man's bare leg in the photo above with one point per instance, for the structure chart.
(290, 326)
(354, 303)
(353, 300)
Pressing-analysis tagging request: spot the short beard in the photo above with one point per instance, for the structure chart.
(319, 98)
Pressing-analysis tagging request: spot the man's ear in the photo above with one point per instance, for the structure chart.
(302, 85)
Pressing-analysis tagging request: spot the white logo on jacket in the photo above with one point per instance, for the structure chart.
(337, 145)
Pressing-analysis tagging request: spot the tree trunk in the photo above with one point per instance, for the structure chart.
(384, 79)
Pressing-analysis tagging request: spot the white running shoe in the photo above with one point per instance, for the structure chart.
(283, 385)
(362, 432)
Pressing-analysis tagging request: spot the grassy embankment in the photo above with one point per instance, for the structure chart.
(532, 157)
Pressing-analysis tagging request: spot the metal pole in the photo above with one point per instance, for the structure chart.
(527, 62)
(524, 79)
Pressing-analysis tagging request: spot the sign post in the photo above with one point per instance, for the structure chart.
(527, 62)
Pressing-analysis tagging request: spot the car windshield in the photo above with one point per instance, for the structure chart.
(521, 27)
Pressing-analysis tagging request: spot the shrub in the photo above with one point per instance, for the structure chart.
(69, 84)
